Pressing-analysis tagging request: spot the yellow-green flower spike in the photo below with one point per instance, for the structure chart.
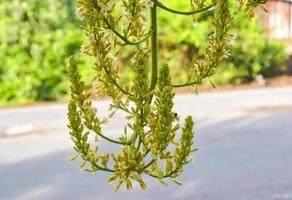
(152, 143)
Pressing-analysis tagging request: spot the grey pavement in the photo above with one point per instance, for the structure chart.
(244, 137)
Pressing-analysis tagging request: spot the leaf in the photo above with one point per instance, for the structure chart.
(104, 159)
(112, 179)
(96, 139)
(142, 185)
(118, 185)
(91, 170)
(159, 173)
(96, 149)
(129, 185)
(166, 155)
(265, 9)
(168, 166)
(163, 182)
(71, 159)
(136, 176)
(211, 82)
(82, 165)
(177, 182)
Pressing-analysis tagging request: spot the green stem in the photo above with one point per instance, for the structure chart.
(123, 38)
(98, 167)
(149, 164)
(185, 84)
(154, 69)
(103, 168)
(200, 79)
(160, 5)
(116, 84)
(165, 176)
(111, 140)
(139, 143)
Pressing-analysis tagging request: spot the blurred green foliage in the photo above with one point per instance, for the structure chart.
(253, 54)
(38, 36)
(183, 41)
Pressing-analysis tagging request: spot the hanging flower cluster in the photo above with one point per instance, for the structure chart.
(154, 143)
(251, 4)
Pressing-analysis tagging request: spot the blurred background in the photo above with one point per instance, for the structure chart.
(38, 36)
(244, 126)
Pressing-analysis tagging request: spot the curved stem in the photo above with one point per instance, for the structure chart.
(154, 69)
(83, 110)
(134, 138)
(165, 176)
(200, 79)
(123, 108)
(123, 38)
(149, 164)
(96, 165)
(185, 84)
(98, 133)
(160, 5)
(139, 143)
(103, 168)
(111, 140)
(116, 84)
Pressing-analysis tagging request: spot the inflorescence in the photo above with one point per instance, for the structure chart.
(154, 142)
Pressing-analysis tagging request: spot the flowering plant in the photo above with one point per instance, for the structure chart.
(158, 146)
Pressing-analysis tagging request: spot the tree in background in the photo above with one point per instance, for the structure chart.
(252, 52)
(36, 37)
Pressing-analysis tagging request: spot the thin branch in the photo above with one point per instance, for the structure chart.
(111, 140)
(160, 5)
(165, 176)
(124, 109)
(149, 164)
(199, 81)
(185, 84)
(123, 38)
(95, 164)
(112, 79)
(116, 84)
(103, 168)
(100, 134)
(154, 47)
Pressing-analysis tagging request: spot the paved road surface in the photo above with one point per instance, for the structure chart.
(245, 141)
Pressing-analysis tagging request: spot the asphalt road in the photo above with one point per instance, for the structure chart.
(244, 137)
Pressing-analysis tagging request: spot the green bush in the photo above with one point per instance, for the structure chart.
(252, 53)
(36, 37)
